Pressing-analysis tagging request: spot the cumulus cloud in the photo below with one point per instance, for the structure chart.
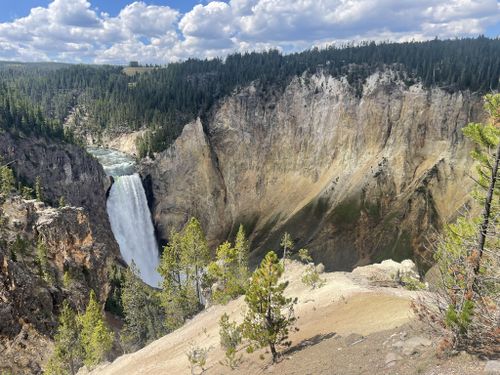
(147, 20)
(75, 13)
(75, 31)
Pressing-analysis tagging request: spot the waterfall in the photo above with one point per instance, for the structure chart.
(129, 214)
(132, 226)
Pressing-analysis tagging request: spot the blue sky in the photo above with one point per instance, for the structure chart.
(10, 10)
(162, 31)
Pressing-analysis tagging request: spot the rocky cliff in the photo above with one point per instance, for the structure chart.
(354, 179)
(118, 138)
(65, 170)
(79, 251)
(34, 283)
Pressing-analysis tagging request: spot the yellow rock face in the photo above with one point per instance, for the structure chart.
(354, 179)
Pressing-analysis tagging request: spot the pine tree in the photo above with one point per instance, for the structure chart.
(27, 192)
(196, 254)
(179, 295)
(144, 318)
(466, 306)
(487, 154)
(68, 352)
(96, 337)
(243, 250)
(43, 262)
(223, 272)
(287, 245)
(270, 314)
(229, 272)
(6, 179)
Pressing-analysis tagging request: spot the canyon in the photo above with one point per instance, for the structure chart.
(355, 179)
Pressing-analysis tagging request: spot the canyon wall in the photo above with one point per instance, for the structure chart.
(353, 179)
(80, 252)
(65, 170)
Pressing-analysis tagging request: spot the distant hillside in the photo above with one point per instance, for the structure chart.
(166, 99)
(20, 117)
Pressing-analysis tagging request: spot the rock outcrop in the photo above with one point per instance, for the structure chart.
(118, 138)
(79, 249)
(65, 170)
(31, 289)
(387, 273)
(354, 179)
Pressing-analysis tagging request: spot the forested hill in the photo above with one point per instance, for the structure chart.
(164, 99)
(20, 117)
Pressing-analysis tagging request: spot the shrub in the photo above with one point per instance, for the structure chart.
(310, 277)
(197, 357)
(411, 283)
(230, 339)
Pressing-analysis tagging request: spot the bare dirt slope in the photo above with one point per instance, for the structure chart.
(341, 307)
(347, 327)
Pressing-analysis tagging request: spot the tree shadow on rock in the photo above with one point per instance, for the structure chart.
(309, 342)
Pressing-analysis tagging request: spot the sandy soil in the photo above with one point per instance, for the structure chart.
(339, 355)
(341, 307)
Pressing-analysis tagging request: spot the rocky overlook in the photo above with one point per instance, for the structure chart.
(354, 179)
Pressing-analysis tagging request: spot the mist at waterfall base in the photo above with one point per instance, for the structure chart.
(129, 214)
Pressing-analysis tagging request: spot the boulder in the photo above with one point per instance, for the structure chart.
(320, 268)
(392, 358)
(387, 272)
(412, 346)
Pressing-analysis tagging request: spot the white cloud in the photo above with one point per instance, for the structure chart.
(74, 30)
(73, 13)
(212, 21)
(150, 21)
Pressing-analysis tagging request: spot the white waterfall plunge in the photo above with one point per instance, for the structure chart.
(129, 214)
(132, 226)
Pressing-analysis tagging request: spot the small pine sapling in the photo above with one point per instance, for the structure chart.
(230, 339)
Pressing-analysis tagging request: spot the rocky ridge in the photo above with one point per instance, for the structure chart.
(65, 170)
(348, 317)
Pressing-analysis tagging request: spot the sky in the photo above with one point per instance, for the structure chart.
(163, 31)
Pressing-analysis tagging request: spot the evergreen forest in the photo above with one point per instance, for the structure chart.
(165, 98)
